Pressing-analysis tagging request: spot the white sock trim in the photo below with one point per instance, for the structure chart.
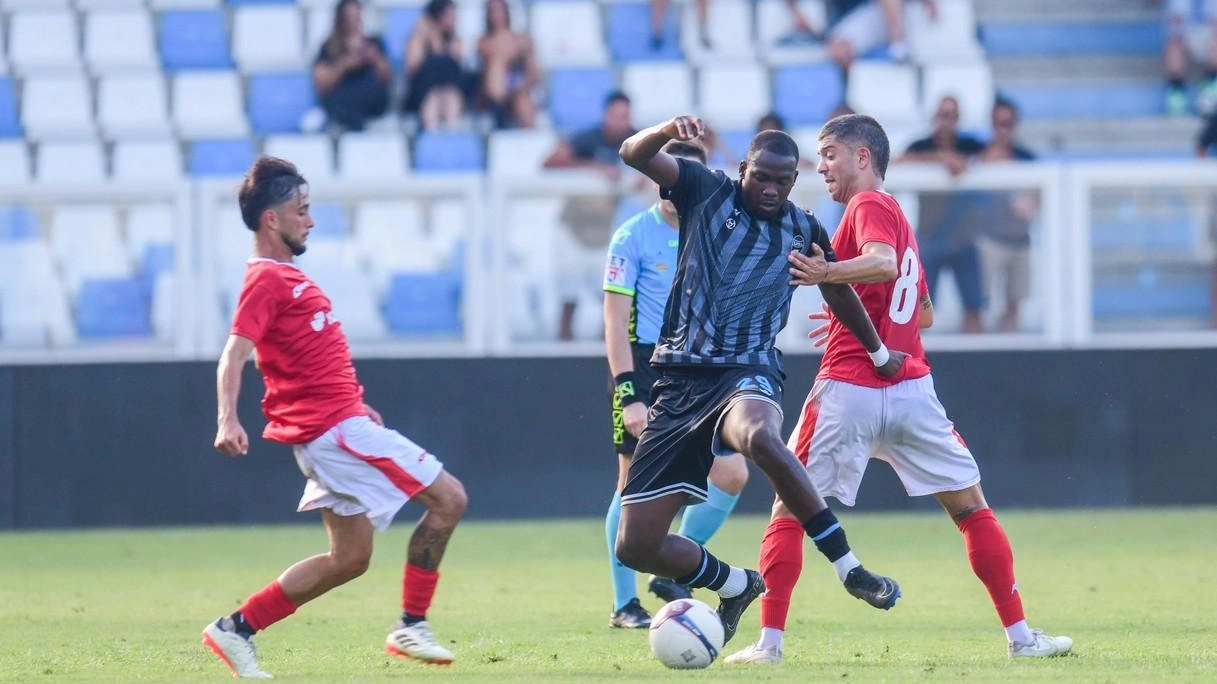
(844, 564)
(1020, 633)
(737, 582)
(771, 637)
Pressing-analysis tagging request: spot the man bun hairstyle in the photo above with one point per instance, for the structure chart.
(860, 130)
(687, 149)
(268, 183)
(777, 142)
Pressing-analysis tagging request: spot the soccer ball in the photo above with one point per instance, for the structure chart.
(686, 634)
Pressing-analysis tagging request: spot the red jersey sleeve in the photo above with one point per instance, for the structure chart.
(875, 223)
(257, 306)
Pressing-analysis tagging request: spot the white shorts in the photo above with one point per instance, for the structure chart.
(864, 28)
(842, 426)
(358, 467)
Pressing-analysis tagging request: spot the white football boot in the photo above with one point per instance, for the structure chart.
(1044, 646)
(755, 654)
(237, 652)
(417, 642)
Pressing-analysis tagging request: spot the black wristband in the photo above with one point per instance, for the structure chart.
(626, 388)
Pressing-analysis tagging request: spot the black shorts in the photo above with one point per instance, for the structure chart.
(645, 377)
(680, 442)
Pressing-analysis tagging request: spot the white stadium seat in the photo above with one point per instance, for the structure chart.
(148, 224)
(208, 104)
(44, 41)
(109, 4)
(773, 23)
(33, 304)
(354, 302)
(86, 242)
(733, 97)
(368, 156)
(165, 308)
(120, 40)
(449, 222)
(951, 38)
(658, 90)
(57, 107)
(884, 90)
(14, 162)
(253, 27)
(519, 151)
(391, 236)
(184, 4)
(133, 106)
(568, 34)
(147, 160)
(970, 83)
(71, 162)
(312, 154)
(729, 25)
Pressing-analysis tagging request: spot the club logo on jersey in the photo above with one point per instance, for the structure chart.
(798, 244)
(299, 289)
(732, 220)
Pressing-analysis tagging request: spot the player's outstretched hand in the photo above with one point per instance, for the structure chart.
(808, 270)
(893, 365)
(635, 417)
(231, 439)
(820, 334)
(684, 128)
(374, 415)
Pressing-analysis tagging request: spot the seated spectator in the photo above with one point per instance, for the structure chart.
(1206, 143)
(946, 238)
(352, 74)
(509, 69)
(1191, 30)
(771, 121)
(1005, 239)
(660, 7)
(597, 148)
(433, 68)
(855, 27)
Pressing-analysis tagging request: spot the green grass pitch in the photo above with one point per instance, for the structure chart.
(529, 601)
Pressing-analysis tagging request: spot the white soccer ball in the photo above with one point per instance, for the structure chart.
(686, 634)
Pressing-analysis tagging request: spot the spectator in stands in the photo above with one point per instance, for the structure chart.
(596, 148)
(947, 239)
(1194, 32)
(1005, 220)
(433, 68)
(351, 73)
(659, 9)
(509, 69)
(1206, 146)
(1206, 143)
(771, 121)
(855, 27)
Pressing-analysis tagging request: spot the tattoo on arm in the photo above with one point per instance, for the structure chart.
(925, 302)
(427, 545)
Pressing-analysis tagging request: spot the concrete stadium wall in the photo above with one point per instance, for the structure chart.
(130, 444)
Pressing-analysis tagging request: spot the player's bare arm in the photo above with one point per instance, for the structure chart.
(876, 264)
(620, 358)
(848, 309)
(926, 319)
(642, 150)
(231, 439)
(374, 415)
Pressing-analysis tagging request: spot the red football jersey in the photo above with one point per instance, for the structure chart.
(894, 307)
(300, 349)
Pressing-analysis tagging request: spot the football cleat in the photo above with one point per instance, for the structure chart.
(417, 643)
(668, 590)
(730, 610)
(877, 590)
(1044, 646)
(631, 616)
(237, 652)
(755, 654)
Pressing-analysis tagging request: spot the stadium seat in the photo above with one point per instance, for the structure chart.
(149, 224)
(330, 221)
(568, 34)
(950, 37)
(519, 152)
(253, 24)
(10, 122)
(729, 25)
(448, 152)
(576, 96)
(57, 107)
(231, 157)
(112, 307)
(207, 104)
(105, 4)
(164, 306)
(353, 301)
(805, 95)
(397, 23)
(420, 304)
(658, 90)
(970, 83)
(194, 39)
(71, 162)
(381, 224)
(133, 106)
(120, 40)
(184, 4)
(14, 162)
(449, 222)
(1062, 38)
(1097, 100)
(277, 102)
(629, 33)
(156, 261)
(44, 41)
(773, 25)
(312, 154)
(147, 160)
(18, 223)
(368, 156)
(237, 3)
(33, 305)
(884, 90)
(86, 243)
(733, 96)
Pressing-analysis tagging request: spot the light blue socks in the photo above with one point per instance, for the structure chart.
(702, 520)
(624, 585)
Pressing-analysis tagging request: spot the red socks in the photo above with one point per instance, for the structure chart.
(993, 562)
(267, 606)
(418, 586)
(781, 565)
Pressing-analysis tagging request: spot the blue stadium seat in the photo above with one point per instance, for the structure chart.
(10, 122)
(1135, 300)
(18, 224)
(806, 94)
(278, 101)
(629, 33)
(157, 258)
(221, 157)
(1100, 100)
(194, 39)
(449, 152)
(397, 23)
(1035, 39)
(112, 307)
(259, 2)
(576, 96)
(423, 304)
(737, 141)
(331, 221)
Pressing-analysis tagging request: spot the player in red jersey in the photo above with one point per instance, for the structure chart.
(853, 415)
(359, 472)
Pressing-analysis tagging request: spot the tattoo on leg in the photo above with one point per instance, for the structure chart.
(958, 517)
(427, 545)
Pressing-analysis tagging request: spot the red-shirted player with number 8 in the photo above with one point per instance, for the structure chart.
(359, 472)
(853, 414)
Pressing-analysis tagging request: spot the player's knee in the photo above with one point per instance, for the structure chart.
(730, 474)
(448, 505)
(632, 550)
(352, 564)
(763, 447)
